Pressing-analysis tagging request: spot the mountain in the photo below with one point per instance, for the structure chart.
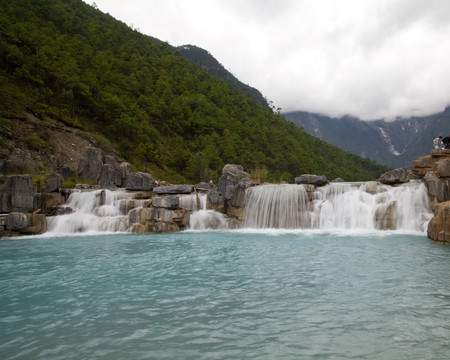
(394, 144)
(210, 64)
(66, 62)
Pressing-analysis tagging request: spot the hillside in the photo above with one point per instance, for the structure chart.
(210, 64)
(67, 64)
(394, 144)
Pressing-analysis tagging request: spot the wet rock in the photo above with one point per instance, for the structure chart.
(174, 189)
(396, 176)
(316, 180)
(26, 223)
(439, 226)
(48, 203)
(386, 216)
(167, 202)
(438, 190)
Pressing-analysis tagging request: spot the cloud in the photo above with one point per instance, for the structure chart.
(372, 59)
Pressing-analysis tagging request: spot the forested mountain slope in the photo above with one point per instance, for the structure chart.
(66, 60)
(207, 62)
(394, 144)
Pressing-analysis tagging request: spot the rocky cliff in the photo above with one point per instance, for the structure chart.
(434, 170)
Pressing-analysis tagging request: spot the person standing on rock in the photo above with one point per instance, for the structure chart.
(446, 142)
(436, 142)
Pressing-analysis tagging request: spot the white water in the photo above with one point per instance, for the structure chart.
(93, 211)
(202, 218)
(339, 206)
(335, 207)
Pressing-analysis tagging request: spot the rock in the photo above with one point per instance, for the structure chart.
(438, 189)
(316, 180)
(235, 170)
(174, 189)
(396, 176)
(439, 226)
(53, 183)
(338, 180)
(167, 202)
(372, 187)
(238, 197)
(124, 170)
(443, 168)
(231, 175)
(110, 178)
(25, 223)
(139, 181)
(91, 164)
(205, 186)
(216, 201)
(125, 205)
(386, 216)
(17, 194)
(67, 172)
(48, 203)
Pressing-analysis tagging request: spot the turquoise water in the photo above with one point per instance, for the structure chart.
(225, 295)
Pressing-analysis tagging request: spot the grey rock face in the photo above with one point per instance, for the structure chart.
(174, 189)
(17, 194)
(53, 183)
(316, 180)
(26, 223)
(396, 176)
(167, 202)
(139, 181)
(91, 164)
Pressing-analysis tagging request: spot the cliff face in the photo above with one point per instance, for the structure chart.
(434, 170)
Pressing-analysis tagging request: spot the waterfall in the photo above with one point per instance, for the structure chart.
(275, 206)
(366, 206)
(201, 218)
(93, 211)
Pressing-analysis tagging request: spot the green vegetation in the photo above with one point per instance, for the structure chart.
(162, 113)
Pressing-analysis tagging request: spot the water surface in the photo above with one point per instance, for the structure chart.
(225, 295)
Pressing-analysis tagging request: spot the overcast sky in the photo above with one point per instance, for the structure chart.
(371, 59)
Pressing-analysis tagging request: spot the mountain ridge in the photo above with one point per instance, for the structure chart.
(394, 144)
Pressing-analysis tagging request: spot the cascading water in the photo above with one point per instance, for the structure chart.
(201, 218)
(275, 206)
(339, 206)
(93, 211)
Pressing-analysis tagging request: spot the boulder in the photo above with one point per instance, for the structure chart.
(91, 164)
(443, 168)
(174, 189)
(48, 203)
(17, 194)
(439, 226)
(386, 216)
(110, 177)
(124, 170)
(167, 202)
(231, 175)
(396, 176)
(238, 196)
(235, 170)
(438, 189)
(139, 181)
(26, 223)
(53, 183)
(216, 201)
(67, 172)
(316, 180)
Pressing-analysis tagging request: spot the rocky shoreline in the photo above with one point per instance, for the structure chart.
(155, 207)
